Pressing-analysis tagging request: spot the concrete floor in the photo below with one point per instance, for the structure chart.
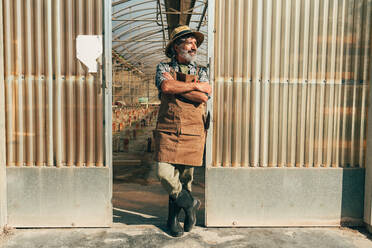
(140, 211)
(139, 199)
(155, 236)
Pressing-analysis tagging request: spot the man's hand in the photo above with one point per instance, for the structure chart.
(172, 86)
(201, 86)
(204, 87)
(196, 96)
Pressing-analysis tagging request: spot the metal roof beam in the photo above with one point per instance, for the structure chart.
(117, 56)
(140, 36)
(178, 13)
(202, 17)
(162, 22)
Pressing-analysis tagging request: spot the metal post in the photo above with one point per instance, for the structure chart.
(162, 24)
(148, 93)
(203, 14)
(211, 79)
(3, 200)
(368, 155)
(368, 177)
(209, 141)
(130, 86)
(368, 166)
(107, 86)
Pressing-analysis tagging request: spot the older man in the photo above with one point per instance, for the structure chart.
(180, 132)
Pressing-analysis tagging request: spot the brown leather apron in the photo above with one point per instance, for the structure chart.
(179, 134)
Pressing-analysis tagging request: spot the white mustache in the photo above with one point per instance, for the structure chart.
(187, 55)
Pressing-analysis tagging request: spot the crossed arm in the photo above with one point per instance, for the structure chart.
(195, 92)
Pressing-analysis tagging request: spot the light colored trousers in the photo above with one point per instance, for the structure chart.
(173, 176)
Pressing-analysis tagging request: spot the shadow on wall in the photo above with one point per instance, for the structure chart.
(352, 203)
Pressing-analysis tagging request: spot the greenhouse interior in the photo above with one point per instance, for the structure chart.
(141, 31)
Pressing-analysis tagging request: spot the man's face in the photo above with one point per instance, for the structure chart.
(186, 51)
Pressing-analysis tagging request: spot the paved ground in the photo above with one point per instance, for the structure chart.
(138, 197)
(155, 236)
(140, 211)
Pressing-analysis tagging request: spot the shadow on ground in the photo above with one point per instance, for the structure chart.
(360, 230)
(139, 199)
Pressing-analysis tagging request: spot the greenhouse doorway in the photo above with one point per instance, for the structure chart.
(140, 34)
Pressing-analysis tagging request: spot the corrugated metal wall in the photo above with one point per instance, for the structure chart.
(291, 82)
(54, 114)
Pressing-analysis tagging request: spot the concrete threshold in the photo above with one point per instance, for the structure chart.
(122, 235)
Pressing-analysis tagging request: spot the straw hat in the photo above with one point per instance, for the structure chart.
(180, 32)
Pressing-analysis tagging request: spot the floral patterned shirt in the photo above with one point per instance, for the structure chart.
(166, 67)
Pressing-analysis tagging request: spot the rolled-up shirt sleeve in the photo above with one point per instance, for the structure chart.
(203, 75)
(159, 78)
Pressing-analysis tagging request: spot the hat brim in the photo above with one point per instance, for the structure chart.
(198, 36)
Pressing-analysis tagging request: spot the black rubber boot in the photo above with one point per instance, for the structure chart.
(190, 206)
(173, 223)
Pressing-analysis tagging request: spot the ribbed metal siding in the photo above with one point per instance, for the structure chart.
(54, 114)
(291, 82)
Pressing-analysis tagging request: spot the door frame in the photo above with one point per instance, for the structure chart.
(107, 89)
(209, 140)
(3, 199)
